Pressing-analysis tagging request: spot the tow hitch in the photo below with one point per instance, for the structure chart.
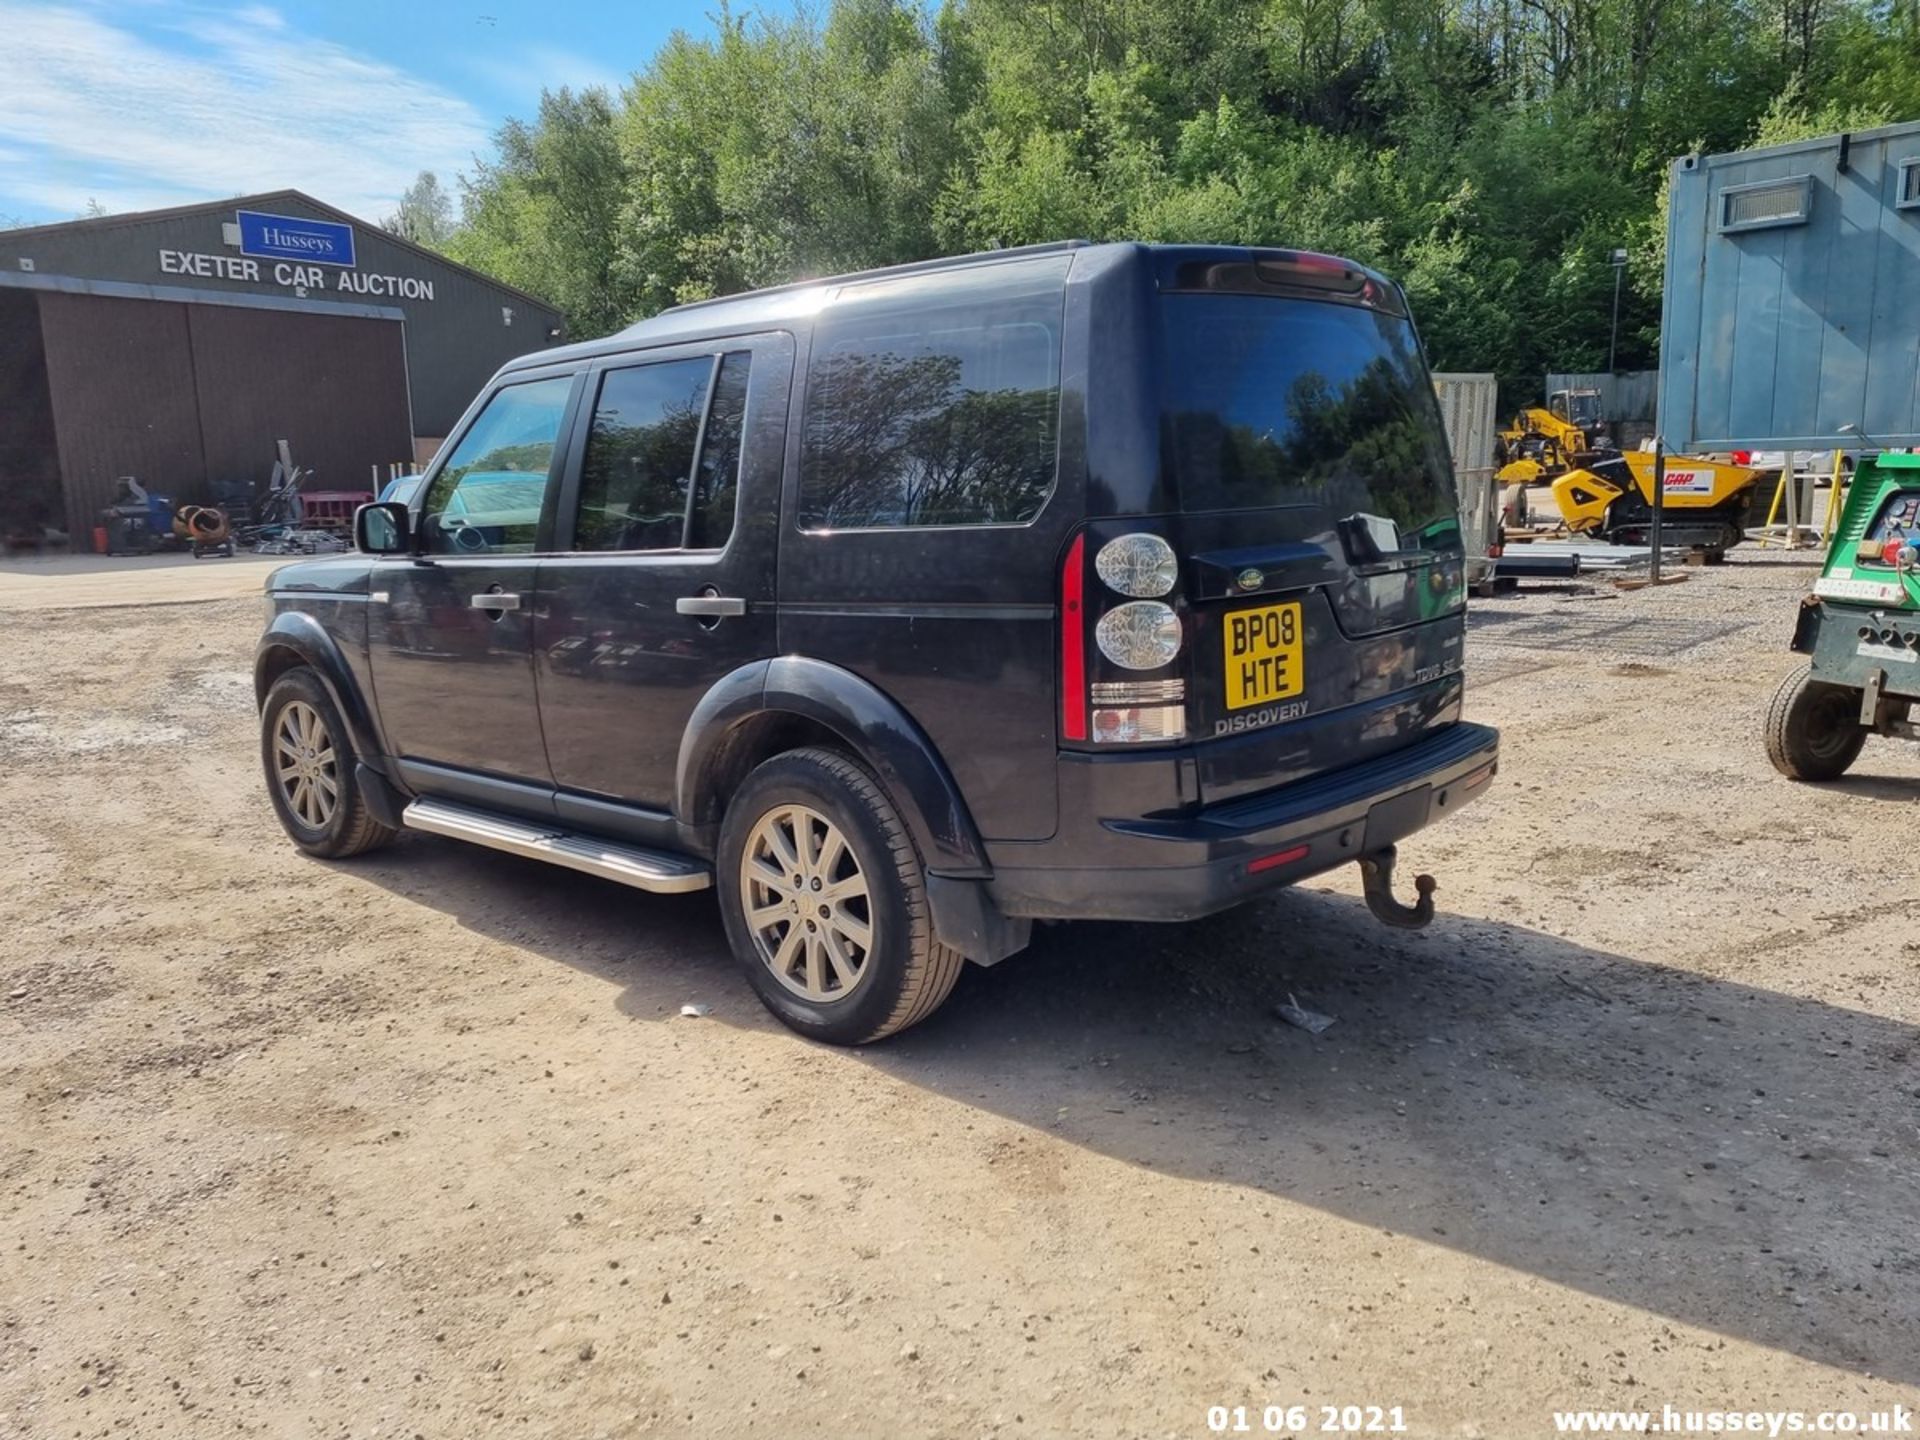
(1376, 878)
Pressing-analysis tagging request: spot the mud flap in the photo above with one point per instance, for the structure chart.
(965, 917)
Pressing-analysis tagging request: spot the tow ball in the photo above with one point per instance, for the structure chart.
(1376, 878)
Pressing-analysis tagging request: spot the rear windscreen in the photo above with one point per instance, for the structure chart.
(1306, 404)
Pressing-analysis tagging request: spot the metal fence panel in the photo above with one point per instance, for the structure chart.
(1467, 406)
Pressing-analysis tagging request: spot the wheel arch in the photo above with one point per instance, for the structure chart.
(771, 706)
(295, 640)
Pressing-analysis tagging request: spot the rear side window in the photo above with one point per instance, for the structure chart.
(655, 478)
(712, 519)
(1305, 404)
(487, 497)
(941, 408)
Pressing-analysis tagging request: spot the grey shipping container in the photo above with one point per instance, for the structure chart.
(1792, 302)
(1629, 399)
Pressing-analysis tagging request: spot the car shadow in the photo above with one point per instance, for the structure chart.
(1727, 1156)
(1902, 788)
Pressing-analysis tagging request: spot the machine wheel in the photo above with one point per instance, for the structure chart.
(825, 904)
(1813, 729)
(309, 760)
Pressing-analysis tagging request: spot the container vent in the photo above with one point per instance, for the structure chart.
(1908, 196)
(1771, 202)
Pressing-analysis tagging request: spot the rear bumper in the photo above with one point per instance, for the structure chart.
(1217, 857)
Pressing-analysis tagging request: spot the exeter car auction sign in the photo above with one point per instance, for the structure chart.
(291, 252)
(287, 237)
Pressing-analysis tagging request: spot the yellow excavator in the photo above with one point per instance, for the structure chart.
(1605, 493)
(1544, 440)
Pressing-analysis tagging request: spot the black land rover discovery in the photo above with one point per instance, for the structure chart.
(1113, 581)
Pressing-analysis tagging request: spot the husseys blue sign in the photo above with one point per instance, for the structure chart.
(289, 237)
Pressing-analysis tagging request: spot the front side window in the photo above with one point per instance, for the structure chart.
(940, 416)
(641, 487)
(486, 499)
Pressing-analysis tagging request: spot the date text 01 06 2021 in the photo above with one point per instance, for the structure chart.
(1305, 1419)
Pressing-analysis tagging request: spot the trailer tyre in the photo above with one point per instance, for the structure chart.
(1813, 729)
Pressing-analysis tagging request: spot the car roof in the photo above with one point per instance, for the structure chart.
(778, 305)
(763, 309)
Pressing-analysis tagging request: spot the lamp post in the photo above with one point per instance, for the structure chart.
(1613, 341)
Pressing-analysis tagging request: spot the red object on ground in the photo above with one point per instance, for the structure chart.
(331, 509)
(99, 539)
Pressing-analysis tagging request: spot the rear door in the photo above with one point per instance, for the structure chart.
(450, 628)
(926, 523)
(664, 577)
(1325, 565)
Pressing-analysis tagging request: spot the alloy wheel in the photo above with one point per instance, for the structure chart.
(806, 903)
(306, 765)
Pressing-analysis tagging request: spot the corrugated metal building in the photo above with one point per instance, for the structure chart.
(179, 346)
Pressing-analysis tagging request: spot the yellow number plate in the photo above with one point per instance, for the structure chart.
(1264, 654)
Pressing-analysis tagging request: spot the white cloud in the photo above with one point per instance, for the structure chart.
(223, 105)
(544, 67)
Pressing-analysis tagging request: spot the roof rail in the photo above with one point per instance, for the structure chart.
(911, 267)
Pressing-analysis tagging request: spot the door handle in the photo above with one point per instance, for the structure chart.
(496, 600)
(710, 606)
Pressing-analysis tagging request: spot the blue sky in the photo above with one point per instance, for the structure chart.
(143, 103)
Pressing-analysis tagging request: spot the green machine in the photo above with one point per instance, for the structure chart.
(1860, 629)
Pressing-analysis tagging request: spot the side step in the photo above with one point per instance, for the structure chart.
(654, 870)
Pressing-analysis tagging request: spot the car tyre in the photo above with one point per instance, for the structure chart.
(825, 901)
(309, 763)
(1813, 729)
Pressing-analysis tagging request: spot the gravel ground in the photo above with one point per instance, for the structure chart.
(420, 1146)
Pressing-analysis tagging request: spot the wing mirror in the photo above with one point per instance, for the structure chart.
(383, 529)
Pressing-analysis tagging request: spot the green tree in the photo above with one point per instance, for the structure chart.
(544, 214)
(1489, 154)
(424, 214)
(778, 150)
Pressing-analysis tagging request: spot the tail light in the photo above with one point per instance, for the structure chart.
(1139, 712)
(1106, 696)
(1140, 635)
(1073, 642)
(1141, 565)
